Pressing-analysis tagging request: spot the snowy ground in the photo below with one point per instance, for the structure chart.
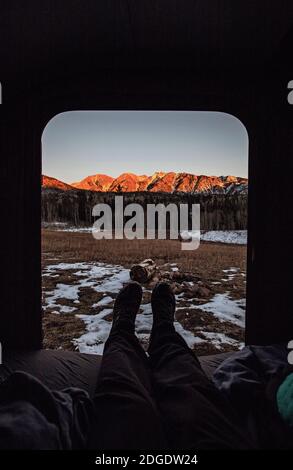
(238, 237)
(65, 284)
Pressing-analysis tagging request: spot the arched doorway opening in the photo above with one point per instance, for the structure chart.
(146, 157)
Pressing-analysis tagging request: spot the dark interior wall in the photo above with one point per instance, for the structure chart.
(270, 317)
(107, 63)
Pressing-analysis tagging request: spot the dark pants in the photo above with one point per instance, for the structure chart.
(164, 401)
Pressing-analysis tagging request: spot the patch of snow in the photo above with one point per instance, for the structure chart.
(104, 301)
(66, 309)
(62, 291)
(231, 270)
(146, 309)
(226, 309)
(189, 337)
(98, 329)
(100, 276)
(97, 271)
(64, 267)
(114, 283)
(238, 237)
(77, 229)
(218, 339)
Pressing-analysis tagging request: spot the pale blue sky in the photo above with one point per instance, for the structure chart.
(81, 143)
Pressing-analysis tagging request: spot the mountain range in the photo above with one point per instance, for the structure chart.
(170, 182)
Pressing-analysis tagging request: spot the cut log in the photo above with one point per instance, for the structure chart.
(143, 272)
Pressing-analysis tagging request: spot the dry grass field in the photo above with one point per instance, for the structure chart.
(219, 268)
(206, 262)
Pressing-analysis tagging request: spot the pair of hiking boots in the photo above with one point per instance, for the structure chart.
(128, 302)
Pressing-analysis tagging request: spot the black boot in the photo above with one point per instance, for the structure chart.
(163, 304)
(126, 307)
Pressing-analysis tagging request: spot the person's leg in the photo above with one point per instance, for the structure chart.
(126, 413)
(194, 413)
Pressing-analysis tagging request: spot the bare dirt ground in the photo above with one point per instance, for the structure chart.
(209, 284)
